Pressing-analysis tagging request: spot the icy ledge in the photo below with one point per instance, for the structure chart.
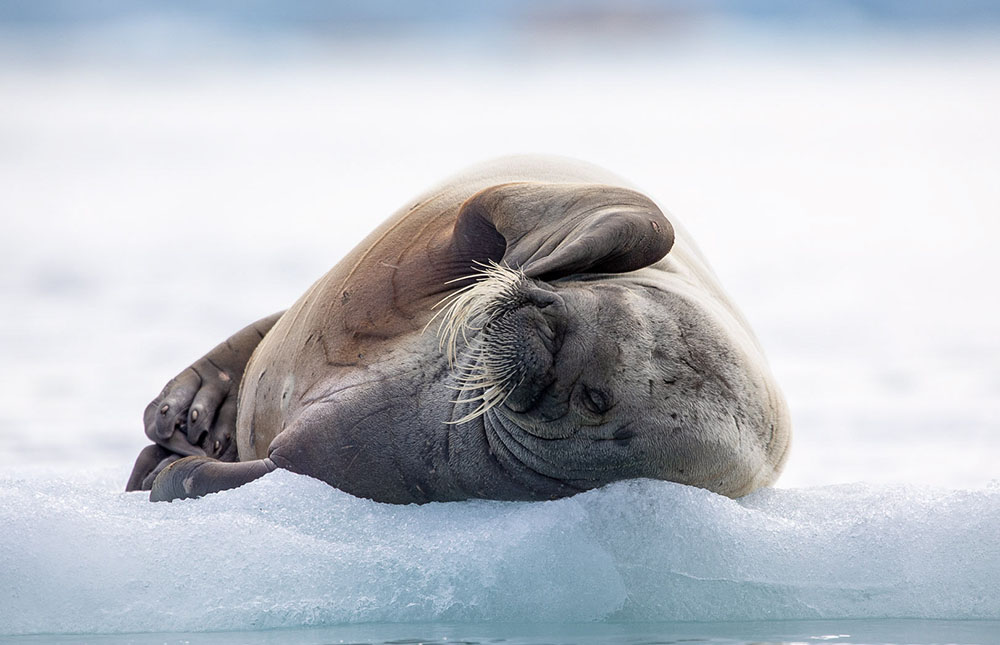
(77, 556)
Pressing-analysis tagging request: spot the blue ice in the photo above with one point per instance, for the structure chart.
(287, 550)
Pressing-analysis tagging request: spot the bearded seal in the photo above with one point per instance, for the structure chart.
(582, 339)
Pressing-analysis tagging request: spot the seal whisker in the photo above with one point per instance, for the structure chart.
(447, 298)
(477, 310)
(469, 310)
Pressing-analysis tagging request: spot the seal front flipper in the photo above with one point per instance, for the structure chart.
(195, 414)
(554, 230)
(198, 476)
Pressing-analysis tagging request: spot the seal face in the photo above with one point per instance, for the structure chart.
(528, 330)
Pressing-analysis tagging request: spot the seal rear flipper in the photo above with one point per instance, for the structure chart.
(550, 231)
(199, 476)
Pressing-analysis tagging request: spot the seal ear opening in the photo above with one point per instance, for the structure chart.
(550, 231)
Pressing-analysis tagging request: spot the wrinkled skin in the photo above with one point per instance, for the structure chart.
(601, 357)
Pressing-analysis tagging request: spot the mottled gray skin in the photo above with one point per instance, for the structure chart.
(633, 362)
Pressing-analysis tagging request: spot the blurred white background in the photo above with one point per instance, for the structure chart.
(170, 172)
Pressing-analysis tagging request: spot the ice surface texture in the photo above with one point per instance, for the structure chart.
(286, 550)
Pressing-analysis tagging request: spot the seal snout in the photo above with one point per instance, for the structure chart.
(517, 345)
(528, 338)
(511, 328)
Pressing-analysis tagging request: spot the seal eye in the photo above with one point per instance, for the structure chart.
(596, 401)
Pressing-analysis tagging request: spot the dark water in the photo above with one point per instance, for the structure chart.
(866, 631)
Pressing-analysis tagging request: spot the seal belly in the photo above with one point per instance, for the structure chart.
(285, 364)
(259, 417)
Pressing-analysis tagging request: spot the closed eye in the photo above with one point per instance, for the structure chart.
(596, 401)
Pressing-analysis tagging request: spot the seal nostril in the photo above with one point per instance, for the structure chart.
(541, 298)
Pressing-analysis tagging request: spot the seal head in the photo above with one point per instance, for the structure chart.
(591, 379)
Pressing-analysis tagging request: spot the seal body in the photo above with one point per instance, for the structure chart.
(529, 329)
